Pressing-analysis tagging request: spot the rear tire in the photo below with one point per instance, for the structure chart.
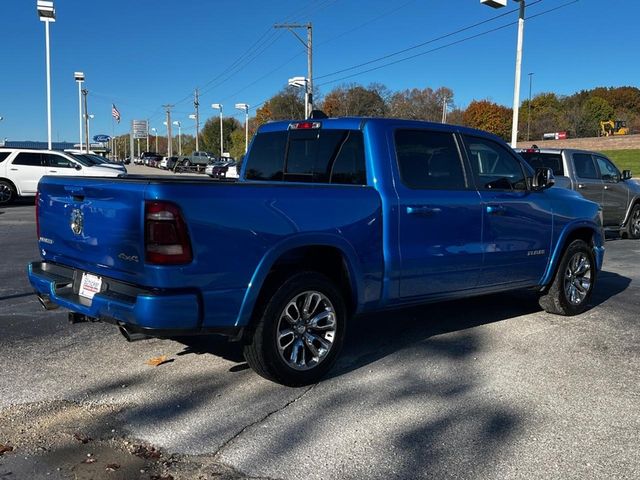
(633, 227)
(299, 331)
(7, 192)
(573, 282)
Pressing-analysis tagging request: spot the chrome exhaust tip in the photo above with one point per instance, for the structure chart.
(45, 302)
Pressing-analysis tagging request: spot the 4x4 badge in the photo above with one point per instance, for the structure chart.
(77, 221)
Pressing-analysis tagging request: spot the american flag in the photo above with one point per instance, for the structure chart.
(115, 113)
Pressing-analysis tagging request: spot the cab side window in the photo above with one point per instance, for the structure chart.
(57, 161)
(608, 171)
(493, 166)
(585, 168)
(31, 159)
(429, 160)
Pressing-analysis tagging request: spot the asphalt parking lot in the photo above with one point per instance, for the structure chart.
(489, 387)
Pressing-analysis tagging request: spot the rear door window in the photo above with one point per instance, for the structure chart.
(585, 167)
(28, 158)
(429, 160)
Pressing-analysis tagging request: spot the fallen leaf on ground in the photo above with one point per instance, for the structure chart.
(82, 437)
(143, 451)
(89, 460)
(5, 448)
(112, 467)
(156, 361)
(162, 477)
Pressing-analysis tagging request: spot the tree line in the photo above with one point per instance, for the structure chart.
(579, 114)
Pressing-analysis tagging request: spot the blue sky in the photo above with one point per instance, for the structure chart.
(142, 54)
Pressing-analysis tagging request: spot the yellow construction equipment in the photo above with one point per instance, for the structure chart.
(613, 127)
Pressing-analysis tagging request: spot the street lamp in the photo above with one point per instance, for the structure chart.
(47, 14)
(218, 106)
(91, 116)
(302, 82)
(179, 125)
(529, 113)
(516, 88)
(245, 107)
(155, 134)
(79, 78)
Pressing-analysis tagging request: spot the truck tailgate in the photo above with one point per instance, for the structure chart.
(93, 222)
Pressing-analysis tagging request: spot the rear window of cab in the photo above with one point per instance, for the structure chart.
(308, 156)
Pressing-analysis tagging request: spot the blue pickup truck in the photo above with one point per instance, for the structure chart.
(330, 218)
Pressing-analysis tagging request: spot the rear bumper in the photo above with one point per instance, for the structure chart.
(152, 312)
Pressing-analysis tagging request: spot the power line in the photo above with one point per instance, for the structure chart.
(433, 40)
(441, 47)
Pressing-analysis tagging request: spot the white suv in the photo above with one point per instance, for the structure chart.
(21, 170)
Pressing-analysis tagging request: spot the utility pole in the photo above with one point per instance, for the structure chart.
(309, 47)
(85, 92)
(444, 110)
(169, 139)
(196, 105)
(529, 109)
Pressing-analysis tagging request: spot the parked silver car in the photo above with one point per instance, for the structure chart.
(597, 179)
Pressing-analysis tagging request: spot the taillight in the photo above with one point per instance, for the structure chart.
(166, 238)
(304, 125)
(37, 216)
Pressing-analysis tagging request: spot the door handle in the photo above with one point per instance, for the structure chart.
(581, 186)
(53, 171)
(423, 210)
(606, 188)
(15, 169)
(496, 209)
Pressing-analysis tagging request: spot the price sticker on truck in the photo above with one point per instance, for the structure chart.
(90, 285)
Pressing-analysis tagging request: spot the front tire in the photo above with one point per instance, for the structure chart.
(300, 331)
(633, 228)
(573, 282)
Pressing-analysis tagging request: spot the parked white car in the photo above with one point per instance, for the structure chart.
(21, 169)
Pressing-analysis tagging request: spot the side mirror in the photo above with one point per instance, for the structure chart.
(543, 178)
(626, 174)
(78, 167)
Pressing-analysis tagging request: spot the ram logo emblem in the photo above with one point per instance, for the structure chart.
(77, 221)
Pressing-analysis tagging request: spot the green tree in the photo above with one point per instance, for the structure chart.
(420, 104)
(288, 104)
(594, 110)
(210, 134)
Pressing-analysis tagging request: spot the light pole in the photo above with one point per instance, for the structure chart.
(218, 106)
(47, 14)
(79, 78)
(179, 125)
(516, 88)
(91, 116)
(85, 92)
(529, 112)
(155, 134)
(196, 117)
(245, 108)
(302, 82)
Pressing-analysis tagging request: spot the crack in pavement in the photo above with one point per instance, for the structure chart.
(268, 415)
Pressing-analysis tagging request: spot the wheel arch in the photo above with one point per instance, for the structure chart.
(587, 231)
(327, 254)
